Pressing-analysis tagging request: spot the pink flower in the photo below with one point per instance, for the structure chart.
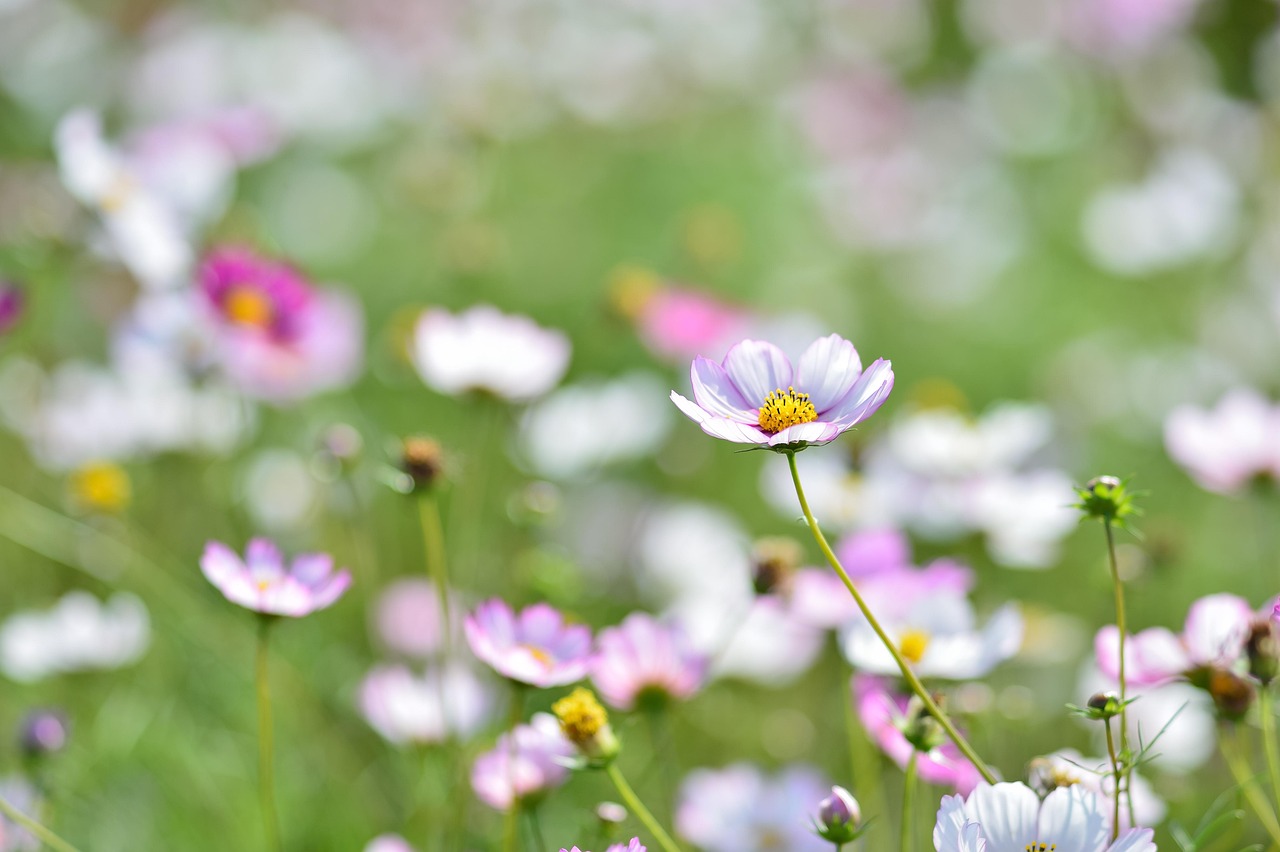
(755, 397)
(278, 337)
(388, 843)
(261, 582)
(882, 714)
(404, 707)
(1214, 635)
(525, 763)
(409, 620)
(633, 846)
(643, 659)
(1226, 447)
(679, 324)
(536, 647)
(740, 809)
(12, 303)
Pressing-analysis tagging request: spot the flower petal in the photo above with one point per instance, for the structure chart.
(719, 427)
(807, 433)
(1007, 814)
(827, 370)
(1072, 818)
(716, 394)
(757, 368)
(1216, 628)
(1134, 840)
(865, 397)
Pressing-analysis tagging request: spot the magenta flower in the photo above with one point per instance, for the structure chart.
(535, 647)
(678, 323)
(643, 659)
(12, 303)
(1215, 632)
(1229, 446)
(523, 764)
(279, 338)
(882, 713)
(634, 846)
(262, 583)
(755, 397)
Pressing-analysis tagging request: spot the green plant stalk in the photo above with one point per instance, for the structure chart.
(1268, 719)
(266, 746)
(908, 804)
(1124, 768)
(45, 836)
(908, 675)
(437, 568)
(1245, 781)
(633, 803)
(511, 827)
(1116, 775)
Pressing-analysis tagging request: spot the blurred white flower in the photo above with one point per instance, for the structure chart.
(1067, 767)
(1229, 446)
(78, 633)
(407, 708)
(279, 490)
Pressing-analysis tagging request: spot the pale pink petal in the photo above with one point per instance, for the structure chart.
(827, 371)
(716, 394)
(757, 369)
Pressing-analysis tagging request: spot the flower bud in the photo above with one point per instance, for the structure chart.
(1106, 498)
(1232, 695)
(586, 724)
(611, 813)
(1263, 651)
(43, 732)
(919, 726)
(422, 460)
(839, 817)
(773, 562)
(1104, 704)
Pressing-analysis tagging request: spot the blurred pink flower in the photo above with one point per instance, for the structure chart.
(535, 647)
(678, 323)
(523, 764)
(1215, 632)
(408, 618)
(643, 659)
(1228, 446)
(483, 349)
(740, 809)
(755, 397)
(431, 708)
(633, 846)
(12, 303)
(262, 583)
(882, 712)
(388, 843)
(279, 338)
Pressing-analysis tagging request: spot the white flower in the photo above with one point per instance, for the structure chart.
(1068, 767)
(937, 635)
(1228, 446)
(483, 349)
(78, 633)
(404, 707)
(1011, 818)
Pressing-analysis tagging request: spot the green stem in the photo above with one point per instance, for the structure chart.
(437, 568)
(47, 837)
(1116, 776)
(908, 675)
(1244, 777)
(632, 801)
(1125, 767)
(908, 804)
(535, 825)
(266, 748)
(512, 824)
(1265, 710)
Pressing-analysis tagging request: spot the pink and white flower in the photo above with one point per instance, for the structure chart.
(756, 397)
(261, 581)
(279, 338)
(643, 659)
(740, 809)
(525, 763)
(388, 843)
(1228, 446)
(1011, 818)
(430, 708)
(1213, 636)
(535, 647)
(409, 619)
(883, 712)
(483, 349)
(634, 846)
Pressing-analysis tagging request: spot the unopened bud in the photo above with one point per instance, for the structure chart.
(773, 563)
(1232, 694)
(1106, 498)
(1263, 651)
(422, 460)
(43, 732)
(919, 726)
(839, 817)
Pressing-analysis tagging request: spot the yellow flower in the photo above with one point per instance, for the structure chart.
(101, 487)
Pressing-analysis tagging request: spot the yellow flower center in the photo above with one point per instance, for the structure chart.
(538, 654)
(913, 645)
(247, 305)
(581, 715)
(1041, 847)
(783, 409)
(101, 486)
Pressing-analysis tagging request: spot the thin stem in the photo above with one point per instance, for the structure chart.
(266, 748)
(1116, 775)
(1244, 777)
(437, 568)
(535, 825)
(632, 801)
(908, 675)
(1267, 713)
(1125, 768)
(512, 824)
(908, 804)
(47, 837)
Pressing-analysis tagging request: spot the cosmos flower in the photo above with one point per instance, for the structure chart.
(883, 715)
(1228, 446)
(1067, 767)
(740, 809)
(483, 349)
(1011, 818)
(388, 843)
(524, 764)
(938, 636)
(441, 703)
(535, 647)
(77, 634)
(1216, 629)
(634, 846)
(279, 338)
(755, 396)
(261, 581)
(643, 659)
(408, 618)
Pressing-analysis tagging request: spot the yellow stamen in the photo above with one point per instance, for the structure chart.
(781, 410)
(913, 645)
(581, 716)
(101, 486)
(247, 305)
(538, 654)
